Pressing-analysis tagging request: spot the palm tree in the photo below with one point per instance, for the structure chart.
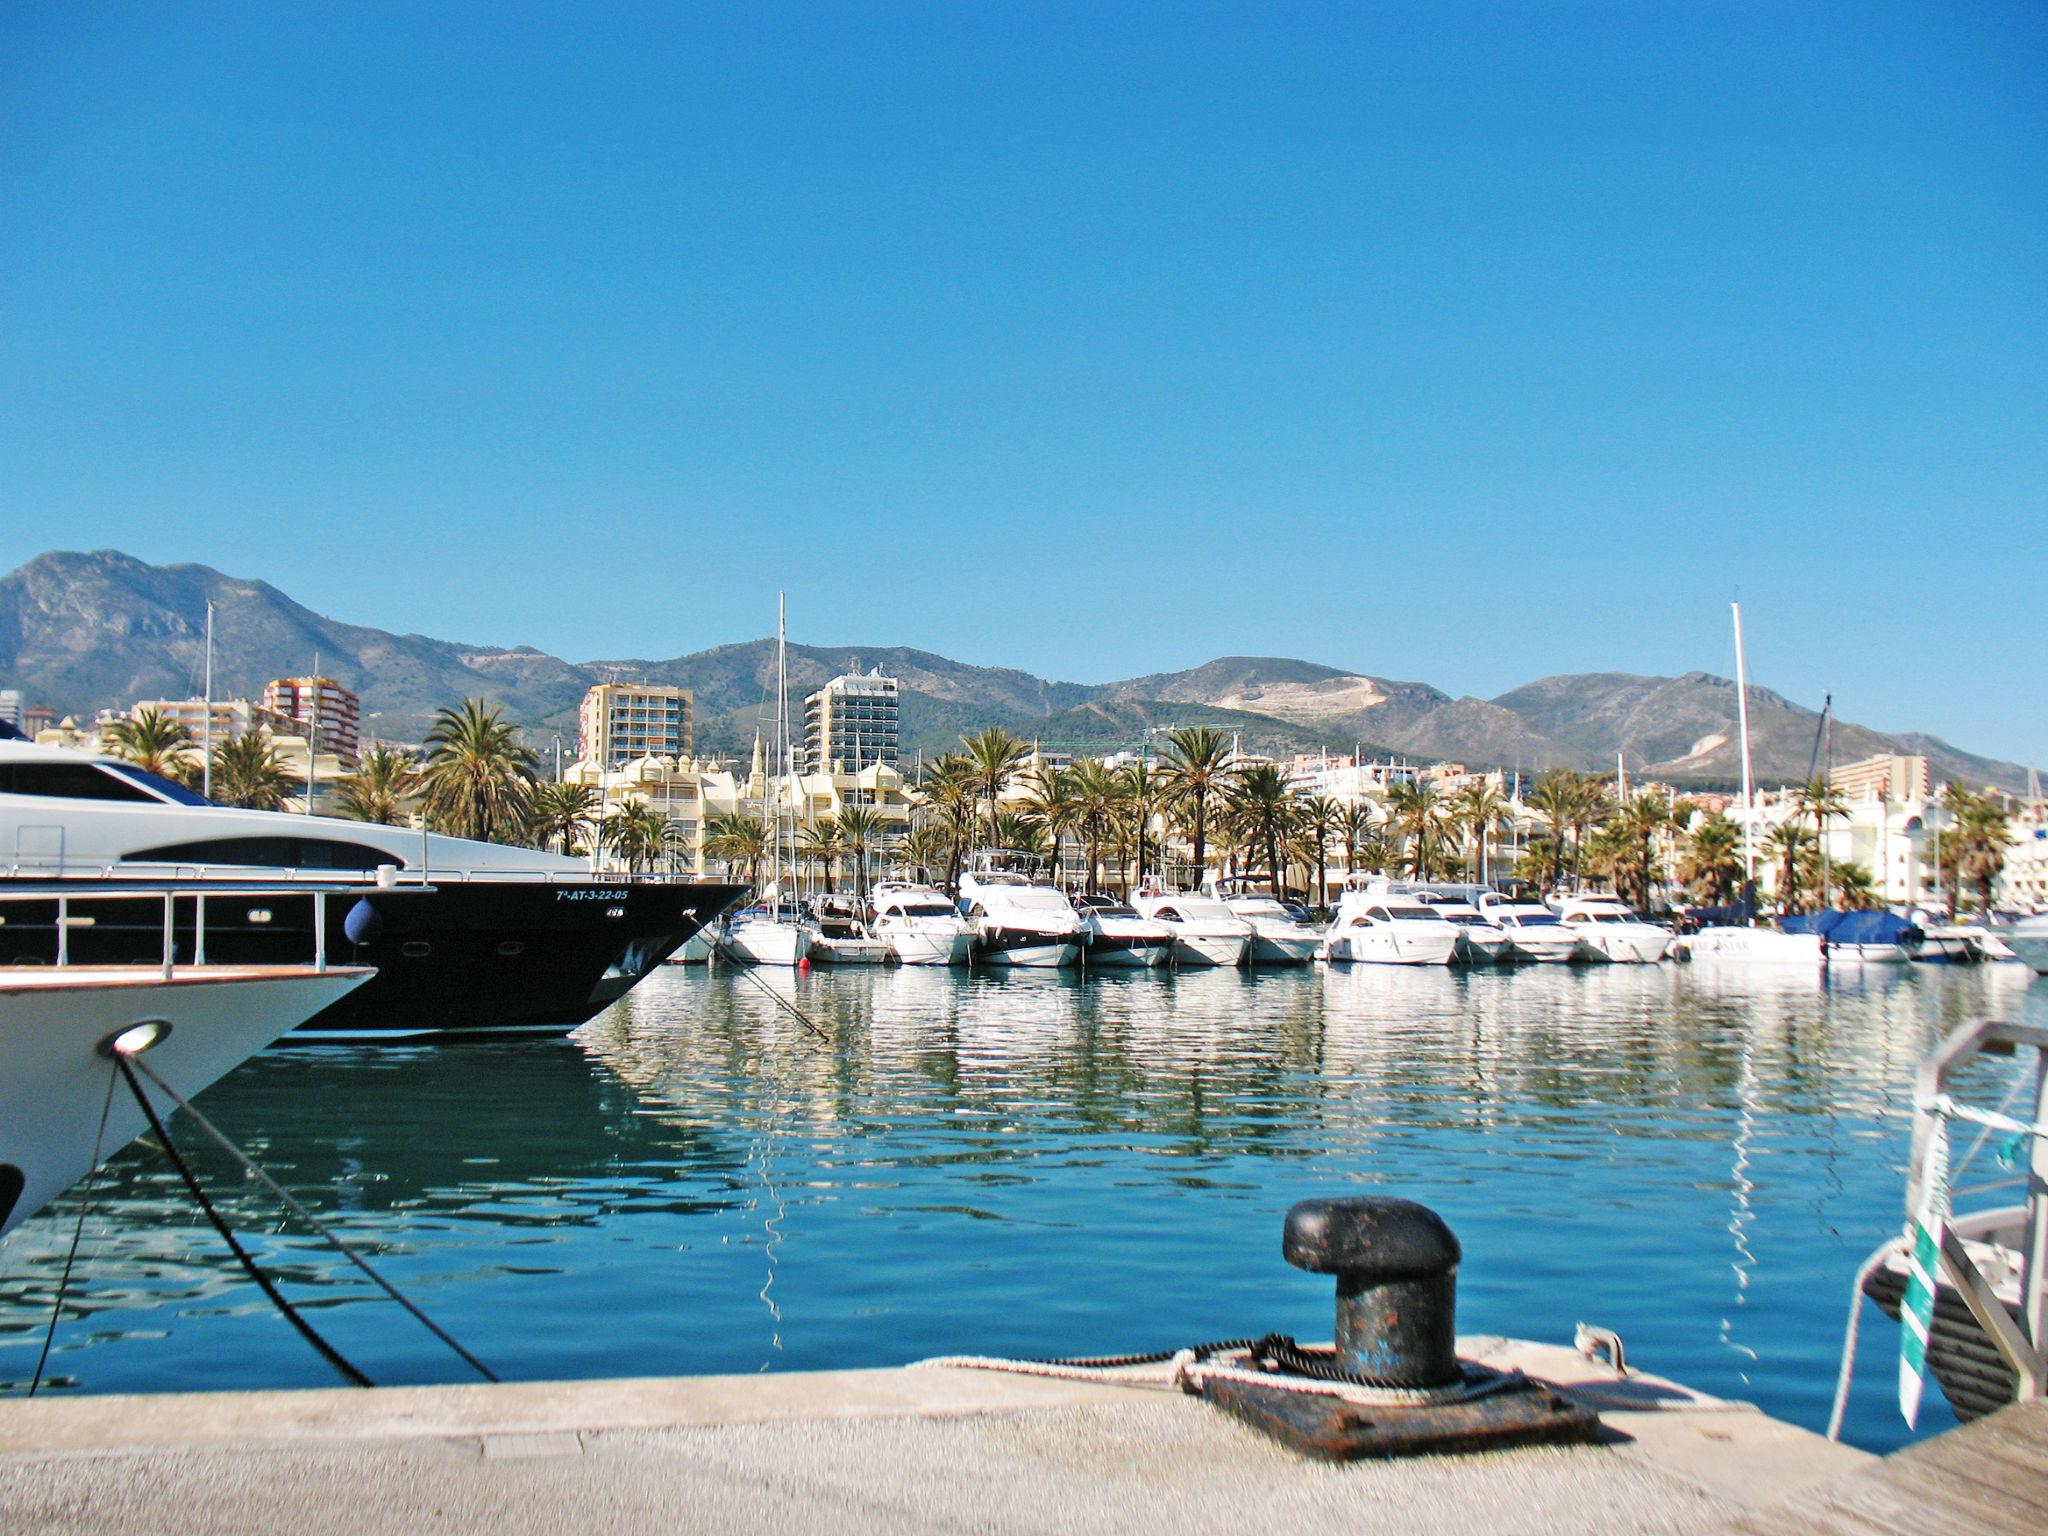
(1320, 817)
(994, 758)
(638, 833)
(820, 843)
(1712, 866)
(1983, 837)
(1357, 829)
(1260, 795)
(1797, 855)
(1476, 810)
(926, 849)
(860, 829)
(1855, 889)
(1634, 856)
(1097, 800)
(155, 743)
(735, 839)
(479, 775)
(1571, 802)
(946, 796)
(1823, 802)
(557, 813)
(1197, 771)
(1051, 806)
(247, 772)
(1416, 812)
(1142, 790)
(378, 789)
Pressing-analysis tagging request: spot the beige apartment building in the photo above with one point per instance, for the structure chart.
(619, 722)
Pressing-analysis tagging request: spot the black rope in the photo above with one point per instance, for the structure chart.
(313, 1221)
(78, 1232)
(1274, 1349)
(306, 1330)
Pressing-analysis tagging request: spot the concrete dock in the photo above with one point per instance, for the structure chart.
(836, 1453)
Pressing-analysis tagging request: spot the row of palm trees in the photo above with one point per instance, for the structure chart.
(478, 780)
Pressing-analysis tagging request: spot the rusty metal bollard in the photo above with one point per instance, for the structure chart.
(1396, 1264)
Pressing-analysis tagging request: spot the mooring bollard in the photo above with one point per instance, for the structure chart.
(1396, 1264)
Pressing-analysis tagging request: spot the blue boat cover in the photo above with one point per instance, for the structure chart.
(1854, 927)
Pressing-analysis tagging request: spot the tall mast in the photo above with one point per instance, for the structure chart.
(206, 722)
(782, 732)
(1748, 780)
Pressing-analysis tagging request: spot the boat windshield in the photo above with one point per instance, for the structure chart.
(919, 909)
(1531, 919)
(161, 785)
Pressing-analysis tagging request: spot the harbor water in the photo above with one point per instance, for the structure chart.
(1036, 1164)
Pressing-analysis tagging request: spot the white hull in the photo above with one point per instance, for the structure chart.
(911, 947)
(1617, 944)
(1867, 954)
(1753, 946)
(1545, 949)
(2028, 940)
(696, 950)
(1483, 949)
(54, 1022)
(1281, 948)
(1217, 949)
(830, 951)
(1048, 955)
(1130, 957)
(1366, 946)
(767, 943)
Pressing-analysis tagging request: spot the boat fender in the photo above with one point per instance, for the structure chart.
(363, 923)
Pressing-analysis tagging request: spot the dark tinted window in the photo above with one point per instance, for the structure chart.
(162, 786)
(70, 781)
(270, 853)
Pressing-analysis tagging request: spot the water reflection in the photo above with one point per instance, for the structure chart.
(1041, 1163)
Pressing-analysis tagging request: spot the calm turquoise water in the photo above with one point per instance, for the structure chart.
(1040, 1164)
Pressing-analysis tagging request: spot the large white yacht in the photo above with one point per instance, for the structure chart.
(1281, 932)
(920, 925)
(1118, 938)
(1020, 918)
(1609, 931)
(1205, 931)
(467, 937)
(63, 1025)
(1532, 929)
(1390, 930)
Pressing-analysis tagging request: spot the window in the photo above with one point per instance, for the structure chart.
(71, 781)
(271, 853)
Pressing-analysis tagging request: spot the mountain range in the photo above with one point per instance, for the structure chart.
(85, 631)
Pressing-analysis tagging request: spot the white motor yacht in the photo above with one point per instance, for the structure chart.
(1019, 918)
(920, 925)
(1742, 946)
(62, 1025)
(1609, 931)
(1480, 940)
(1205, 931)
(843, 939)
(1281, 932)
(1389, 930)
(1118, 938)
(1533, 930)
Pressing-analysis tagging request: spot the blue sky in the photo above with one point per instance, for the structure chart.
(1462, 343)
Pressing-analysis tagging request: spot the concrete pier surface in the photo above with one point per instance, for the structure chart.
(846, 1452)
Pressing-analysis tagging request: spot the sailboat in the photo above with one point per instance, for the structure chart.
(778, 929)
(1745, 944)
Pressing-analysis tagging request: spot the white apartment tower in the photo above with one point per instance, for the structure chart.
(852, 723)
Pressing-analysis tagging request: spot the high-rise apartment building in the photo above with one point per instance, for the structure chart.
(10, 706)
(853, 722)
(318, 705)
(623, 721)
(1888, 776)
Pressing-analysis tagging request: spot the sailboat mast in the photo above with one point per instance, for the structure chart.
(782, 736)
(206, 722)
(1748, 778)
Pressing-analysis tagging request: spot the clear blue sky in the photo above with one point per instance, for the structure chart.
(1456, 343)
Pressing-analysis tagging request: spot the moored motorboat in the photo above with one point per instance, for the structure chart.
(1480, 940)
(1859, 938)
(1608, 930)
(773, 932)
(843, 939)
(1533, 930)
(1205, 931)
(1372, 929)
(1019, 918)
(1281, 931)
(920, 925)
(1118, 938)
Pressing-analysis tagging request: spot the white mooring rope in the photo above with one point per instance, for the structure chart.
(1188, 1372)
